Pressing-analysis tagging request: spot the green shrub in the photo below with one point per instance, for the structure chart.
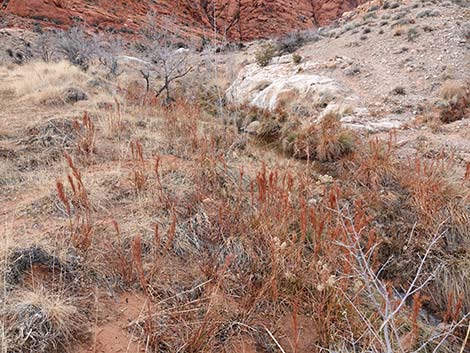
(265, 54)
(296, 58)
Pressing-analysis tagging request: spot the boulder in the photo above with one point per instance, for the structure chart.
(253, 128)
(73, 94)
(302, 93)
(290, 86)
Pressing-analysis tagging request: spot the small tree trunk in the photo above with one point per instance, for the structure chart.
(168, 97)
(147, 83)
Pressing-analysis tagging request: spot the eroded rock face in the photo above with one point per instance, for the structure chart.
(235, 19)
(295, 88)
(303, 93)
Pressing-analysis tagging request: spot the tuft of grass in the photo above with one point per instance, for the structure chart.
(334, 141)
(456, 101)
(42, 322)
(398, 31)
(77, 206)
(452, 91)
(86, 137)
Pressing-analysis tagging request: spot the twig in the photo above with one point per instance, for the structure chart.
(274, 339)
(464, 344)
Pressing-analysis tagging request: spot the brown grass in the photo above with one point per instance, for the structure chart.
(453, 90)
(80, 221)
(456, 96)
(45, 82)
(327, 141)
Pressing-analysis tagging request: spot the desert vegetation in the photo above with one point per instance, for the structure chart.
(126, 177)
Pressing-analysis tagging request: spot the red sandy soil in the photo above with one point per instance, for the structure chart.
(112, 336)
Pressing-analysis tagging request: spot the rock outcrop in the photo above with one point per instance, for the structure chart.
(295, 88)
(234, 19)
(301, 91)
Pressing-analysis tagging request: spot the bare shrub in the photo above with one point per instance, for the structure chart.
(466, 30)
(20, 53)
(412, 34)
(77, 47)
(45, 45)
(390, 303)
(290, 43)
(3, 22)
(109, 50)
(169, 61)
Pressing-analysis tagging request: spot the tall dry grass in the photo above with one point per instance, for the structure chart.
(43, 82)
(234, 251)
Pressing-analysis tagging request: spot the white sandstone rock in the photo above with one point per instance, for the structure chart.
(286, 84)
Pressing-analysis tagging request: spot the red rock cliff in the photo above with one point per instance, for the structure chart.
(236, 19)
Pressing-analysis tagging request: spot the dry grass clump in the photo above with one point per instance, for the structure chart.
(376, 164)
(453, 287)
(456, 101)
(43, 143)
(326, 142)
(39, 321)
(334, 141)
(46, 82)
(20, 261)
(452, 91)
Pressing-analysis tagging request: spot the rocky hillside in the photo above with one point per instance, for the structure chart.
(237, 19)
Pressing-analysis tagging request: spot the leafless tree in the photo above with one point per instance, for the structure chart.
(224, 17)
(173, 66)
(45, 46)
(110, 49)
(146, 75)
(78, 47)
(169, 62)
